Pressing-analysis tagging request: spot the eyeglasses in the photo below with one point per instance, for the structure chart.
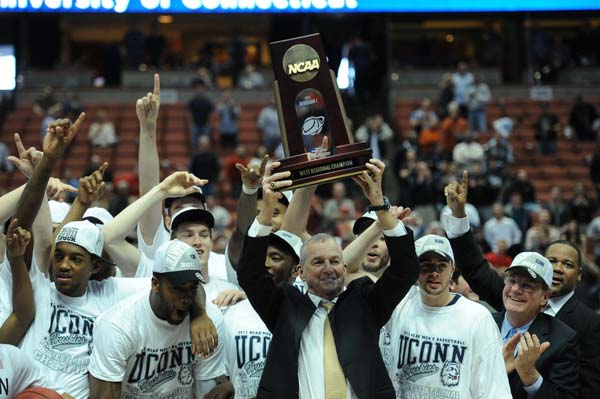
(527, 286)
(430, 267)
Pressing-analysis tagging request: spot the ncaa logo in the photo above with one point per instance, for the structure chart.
(313, 125)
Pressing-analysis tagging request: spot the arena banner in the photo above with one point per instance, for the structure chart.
(290, 6)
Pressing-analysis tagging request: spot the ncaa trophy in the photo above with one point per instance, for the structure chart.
(310, 107)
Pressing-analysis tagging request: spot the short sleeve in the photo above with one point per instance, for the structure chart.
(112, 346)
(213, 366)
(116, 289)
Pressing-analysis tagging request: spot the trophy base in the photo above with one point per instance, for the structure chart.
(349, 160)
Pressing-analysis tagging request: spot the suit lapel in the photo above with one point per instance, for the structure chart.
(565, 313)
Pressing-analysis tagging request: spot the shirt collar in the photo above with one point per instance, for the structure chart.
(506, 327)
(557, 303)
(317, 299)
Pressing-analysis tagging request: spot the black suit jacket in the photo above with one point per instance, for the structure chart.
(558, 365)
(360, 312)
(586, 324)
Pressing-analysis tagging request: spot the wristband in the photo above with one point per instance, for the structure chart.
(384, 207)
(249, 191)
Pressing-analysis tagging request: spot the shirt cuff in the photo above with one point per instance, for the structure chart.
(398, 231)
(259, 230)
(455, 227)
(534, 388)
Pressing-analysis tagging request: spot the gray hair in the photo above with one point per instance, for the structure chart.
(321, 237)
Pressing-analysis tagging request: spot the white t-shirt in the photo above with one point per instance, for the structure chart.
(18, 372)
(151, 357)
(60, 337)
(217, 265)
(214, 287)
(246, 342)
(453, 351)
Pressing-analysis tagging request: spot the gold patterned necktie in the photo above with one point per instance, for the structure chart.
(335, 381)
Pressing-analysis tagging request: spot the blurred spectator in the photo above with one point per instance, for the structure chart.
(560, 55)
(71, 179)
(43, 103)
(409, 143)
(72, 106)
(541, 233)
(232, 174)
(205, 165)
(133, 42)
(156, 46)
(498, 257)
(95, 163)
(518, 212)
(459, 285)
(446, 95)
(236, 47)
(250, 78)
(378, 135)
(229, 113)
(423, 117)
(199, 110)
(467, 152)
(221, 215)
(522, 185)
(495, 176)
(52, 114)
(471, 211)
(557, 207)
(581, 119)
(360, 55)
(120, 199)
(464, 83)
(102, 131)
(479, 97)
(504, 125)
(453, 126)
(586, 44)
(421, 189)
(500, 151)
(332, 209)
(480, 192)
(404, 170)
(5, 164)
(593, 237)
(595, 171)
(581, 206)
(547, 127)
(501, 227)
(539, 48)
(268, 123)
(435, 157)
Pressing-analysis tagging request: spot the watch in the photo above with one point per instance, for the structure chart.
(384, 207)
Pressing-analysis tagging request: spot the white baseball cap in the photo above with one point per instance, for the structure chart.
(191, 214)
(434, 243)
(98, 216)
(537, 266)
(363, 222)
(84, 234)
(196, 194)
(58, 211)
(287, 241)
(178, 262)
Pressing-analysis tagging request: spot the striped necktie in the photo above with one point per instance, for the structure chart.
(335, 381)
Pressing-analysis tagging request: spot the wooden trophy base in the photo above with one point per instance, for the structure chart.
(349, 160)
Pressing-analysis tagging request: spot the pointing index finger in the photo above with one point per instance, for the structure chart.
(465, 179)
(19, 144)
(156, 84)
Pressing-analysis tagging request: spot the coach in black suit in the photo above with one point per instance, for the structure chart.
(566, 261)
(300, 322)
(547, 362)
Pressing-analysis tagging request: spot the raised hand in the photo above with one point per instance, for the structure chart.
(253, 174)
(147, 107)
(508, 352)
(456, 196)
(56, 188)
(17, 239)
(27, 159)
(59, 134)
(229, 298)
(272, 182)
(400, 213)
(529, 350)
(180, 184)
(91, 188)
(370, 182)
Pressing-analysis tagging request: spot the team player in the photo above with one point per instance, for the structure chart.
(440, 342)
(142, 347)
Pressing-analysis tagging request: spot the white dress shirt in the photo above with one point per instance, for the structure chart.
(556, 304)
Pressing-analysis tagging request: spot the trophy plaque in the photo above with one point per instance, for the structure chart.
(310, 107)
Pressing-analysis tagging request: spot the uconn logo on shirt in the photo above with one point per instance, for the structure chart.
(421, 356)
(251, 348)
(155, 367)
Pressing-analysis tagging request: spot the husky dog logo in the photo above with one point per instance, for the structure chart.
(450, 374)
(313, 125)
(185, 375)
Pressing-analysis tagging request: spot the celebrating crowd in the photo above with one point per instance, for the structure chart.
(282, 313)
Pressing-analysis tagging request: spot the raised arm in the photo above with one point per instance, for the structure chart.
(246, 208)
(468, 257)
(148, 163)
(23, 313)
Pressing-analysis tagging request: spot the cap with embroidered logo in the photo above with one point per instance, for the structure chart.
(84, 234)
(178, 262)
(363, 222)
(287, 242)
(434, 243)
(537, 266)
